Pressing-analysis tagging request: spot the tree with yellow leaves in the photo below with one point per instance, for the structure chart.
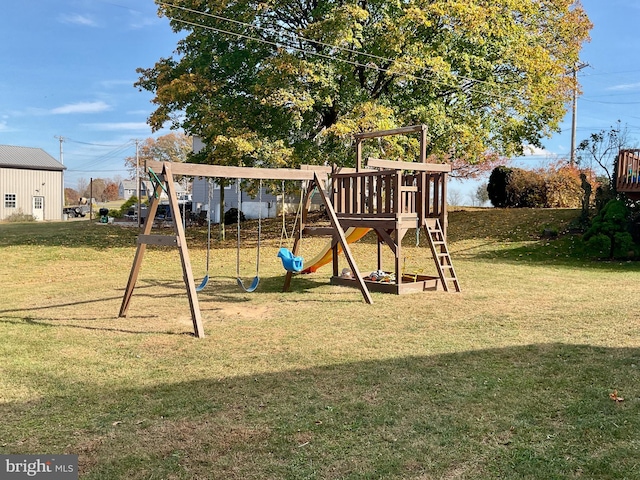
(280, 83)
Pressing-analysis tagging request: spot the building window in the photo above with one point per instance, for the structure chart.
(9, 200)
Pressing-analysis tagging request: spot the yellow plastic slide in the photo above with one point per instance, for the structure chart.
(325, 256)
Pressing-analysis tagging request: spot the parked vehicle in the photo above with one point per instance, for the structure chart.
(80, 210)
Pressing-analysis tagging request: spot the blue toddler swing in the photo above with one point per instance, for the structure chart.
(290, 262)
(256, 279)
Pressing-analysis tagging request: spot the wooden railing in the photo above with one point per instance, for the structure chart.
(628, 178)
(387, 193)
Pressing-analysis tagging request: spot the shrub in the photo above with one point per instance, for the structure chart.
(526, 189)
(564, 187)
(231, 216)
(611, 223)
(558, 185)
(20, 217)
(497, 186)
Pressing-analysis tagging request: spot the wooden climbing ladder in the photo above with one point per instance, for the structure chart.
(441, 256)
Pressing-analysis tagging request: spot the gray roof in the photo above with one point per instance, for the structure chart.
(28, 158)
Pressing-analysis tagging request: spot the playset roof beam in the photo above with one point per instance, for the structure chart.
(219, 171)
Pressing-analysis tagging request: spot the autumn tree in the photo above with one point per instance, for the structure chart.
(110, 192)
(71, 196)
(172, 147)
(289, 82)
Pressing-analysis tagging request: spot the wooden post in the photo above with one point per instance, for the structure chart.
(444, 219)
(423, 144)
(187, 272)
(345, 246)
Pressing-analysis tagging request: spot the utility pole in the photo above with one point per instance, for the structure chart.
(61, 139)
(574, 117)
(91, 200)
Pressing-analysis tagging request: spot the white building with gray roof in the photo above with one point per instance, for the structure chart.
(30, 183)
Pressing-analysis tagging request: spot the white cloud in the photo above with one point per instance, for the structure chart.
(115, 126)
(78, 19)
(110, 84)
(142, 21)
(625, 86)
(81, 107)
(532, 151)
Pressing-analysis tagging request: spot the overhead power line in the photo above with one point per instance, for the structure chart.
(113, 145)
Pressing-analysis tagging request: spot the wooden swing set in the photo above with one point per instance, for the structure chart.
(387, 197)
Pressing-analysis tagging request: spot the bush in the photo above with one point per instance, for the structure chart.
(556, 186)
(515, 187)
(231, 216)
(564, 188)
(610, 230)
(497, 186)
(526, 189)
(20, 217)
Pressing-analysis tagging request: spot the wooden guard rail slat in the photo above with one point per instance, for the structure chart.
(628, 177)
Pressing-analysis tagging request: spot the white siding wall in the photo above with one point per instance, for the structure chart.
(29, 183)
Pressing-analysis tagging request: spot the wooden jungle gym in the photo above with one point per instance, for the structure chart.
(387, 197)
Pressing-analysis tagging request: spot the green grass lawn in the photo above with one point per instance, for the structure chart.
(509, 379)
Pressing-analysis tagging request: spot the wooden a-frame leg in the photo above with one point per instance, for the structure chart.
(345, 245)
(137, 260)
(187, 272)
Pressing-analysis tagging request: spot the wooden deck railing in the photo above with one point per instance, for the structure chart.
(628, 178)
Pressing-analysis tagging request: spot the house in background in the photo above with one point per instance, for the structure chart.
(264, 205)
(30, 183)
(250, 206)
(128, 189)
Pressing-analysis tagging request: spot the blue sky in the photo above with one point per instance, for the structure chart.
(68, 68)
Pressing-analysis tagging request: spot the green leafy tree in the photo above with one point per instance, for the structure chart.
(279, 83)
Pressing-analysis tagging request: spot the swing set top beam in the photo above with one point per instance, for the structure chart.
(220, 171)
